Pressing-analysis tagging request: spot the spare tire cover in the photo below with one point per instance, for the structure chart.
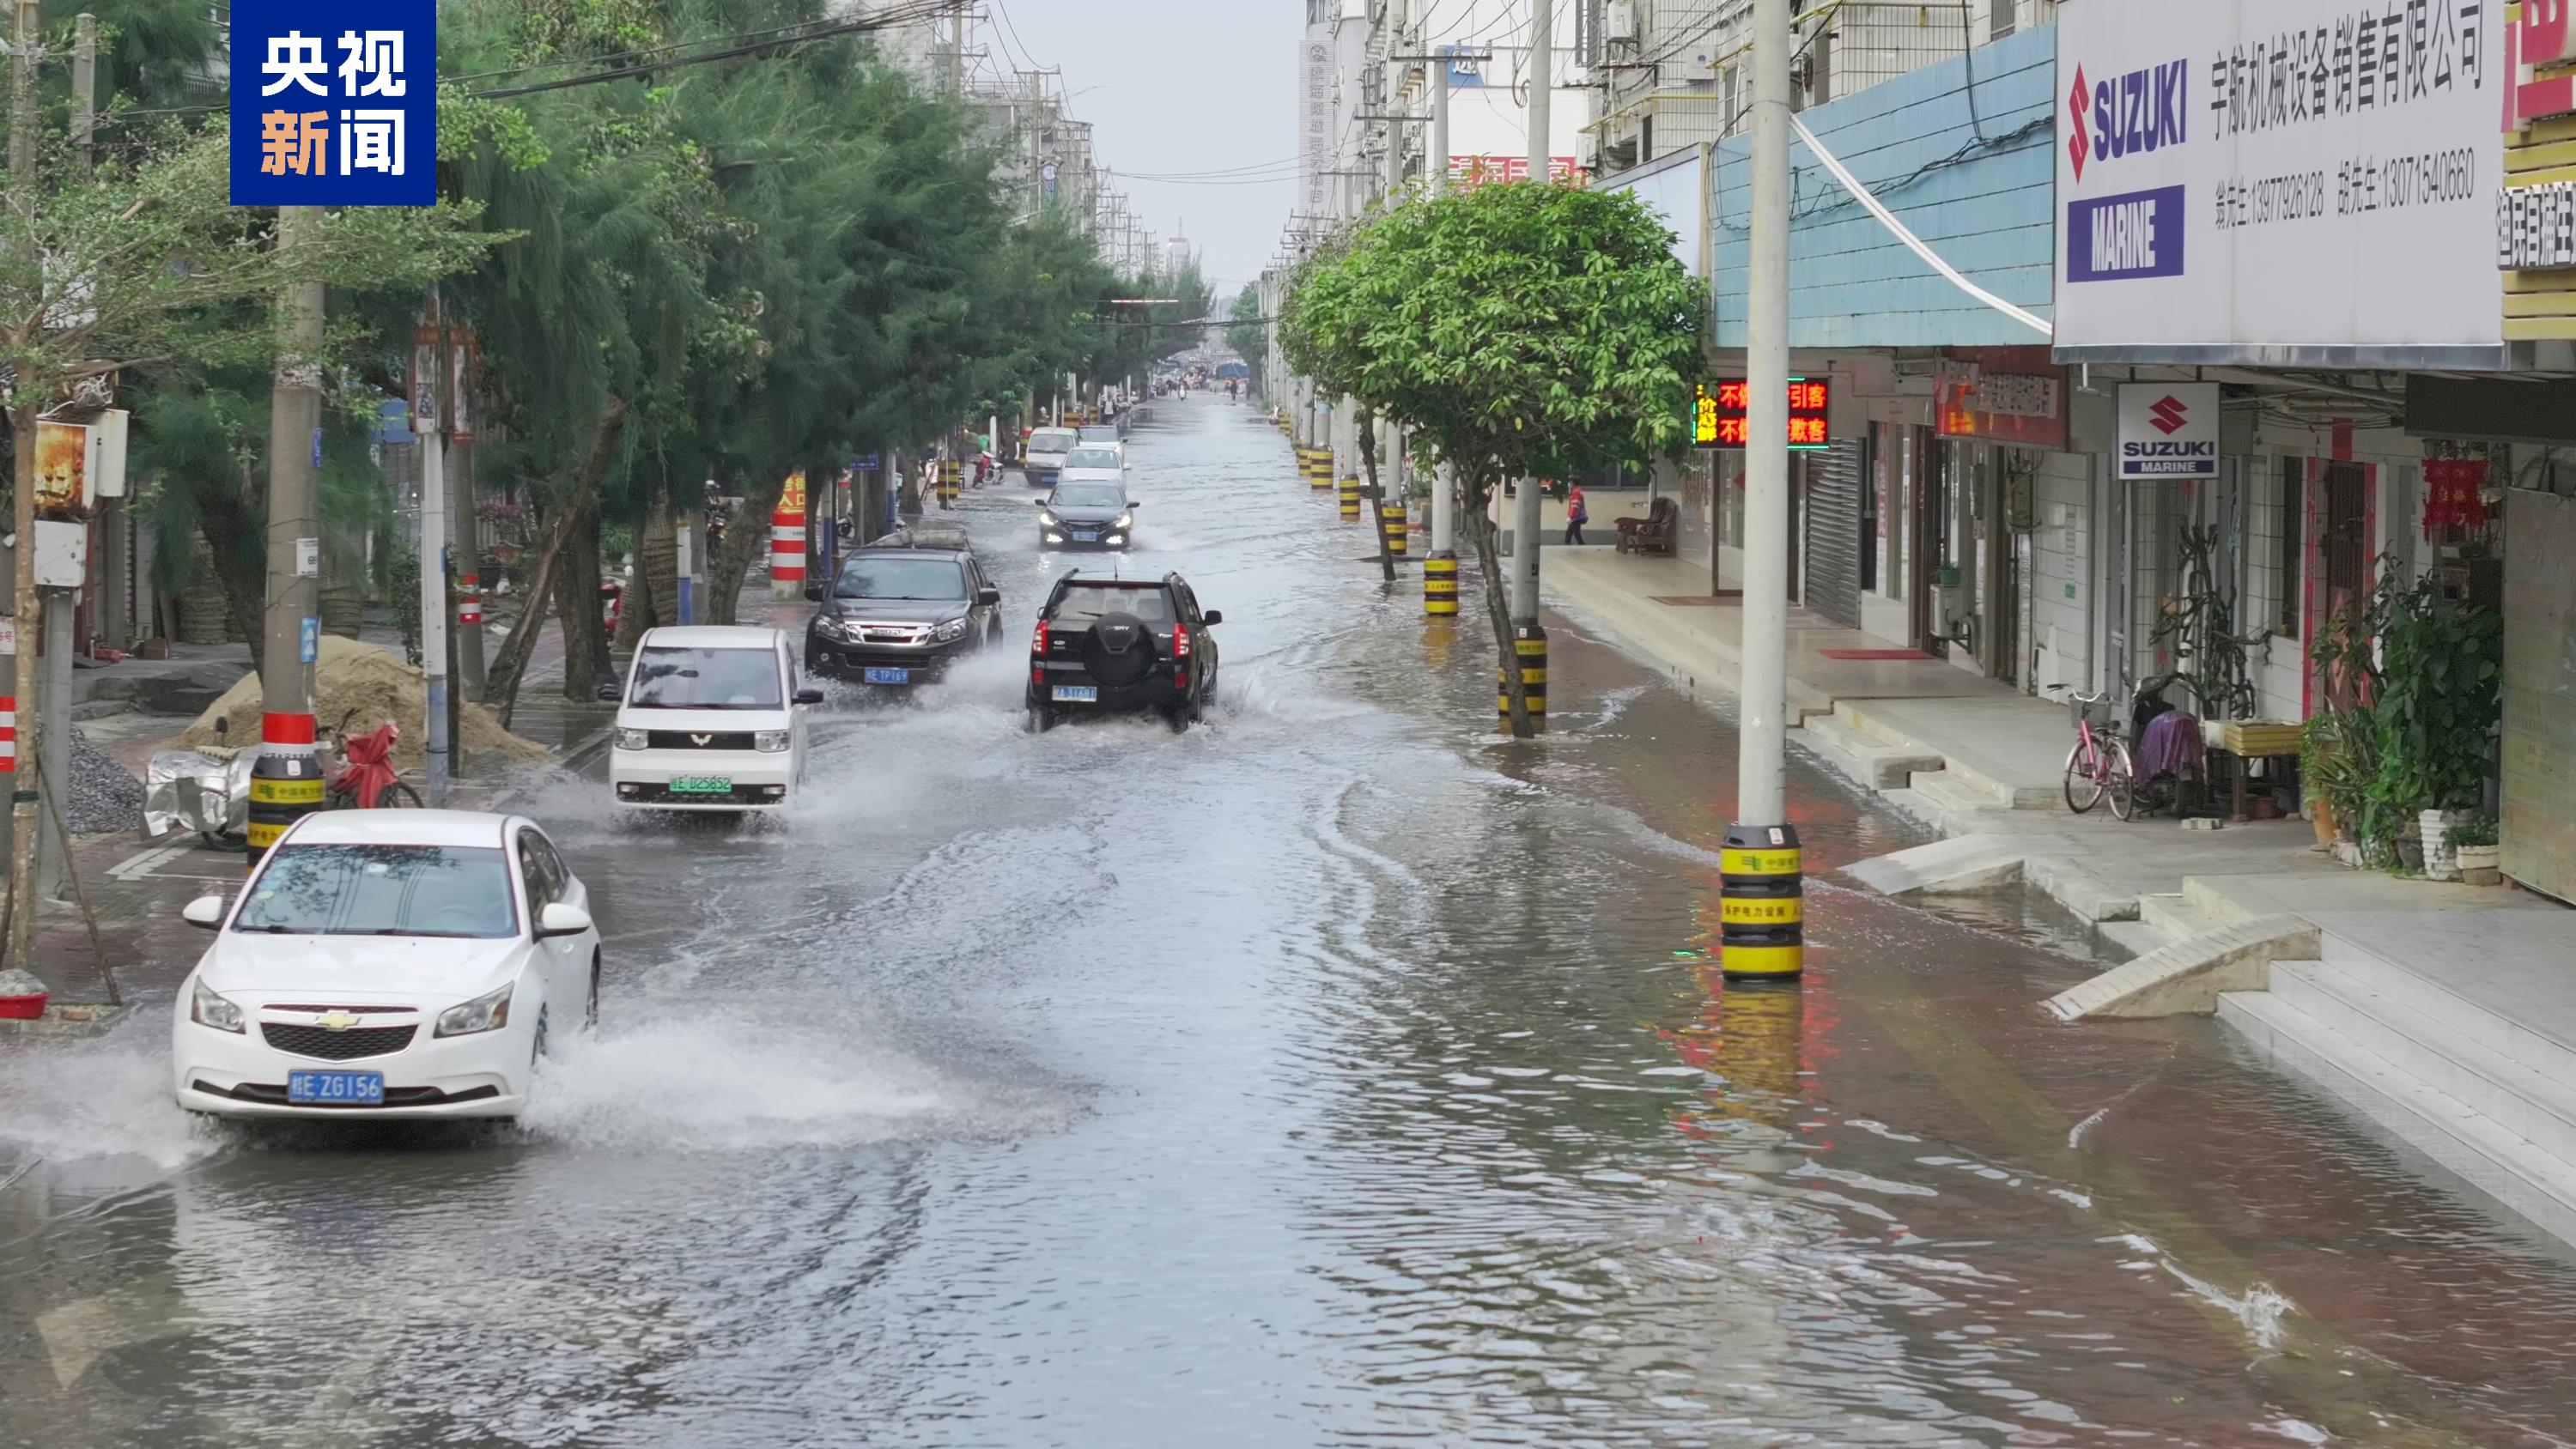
(1118, 650)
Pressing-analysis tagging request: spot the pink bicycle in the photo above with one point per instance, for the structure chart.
(2099, 764)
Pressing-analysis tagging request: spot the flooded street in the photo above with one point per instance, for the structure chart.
(1335, 1073)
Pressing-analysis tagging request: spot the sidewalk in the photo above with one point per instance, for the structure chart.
(2444, 1014)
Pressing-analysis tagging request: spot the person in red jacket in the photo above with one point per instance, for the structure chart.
(1575, 513)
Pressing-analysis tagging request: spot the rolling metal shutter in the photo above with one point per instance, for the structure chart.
(1833, 532)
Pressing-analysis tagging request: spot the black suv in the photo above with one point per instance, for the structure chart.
(1118, 646)
(900, 610)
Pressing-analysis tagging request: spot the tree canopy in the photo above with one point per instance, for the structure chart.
(1517, 330)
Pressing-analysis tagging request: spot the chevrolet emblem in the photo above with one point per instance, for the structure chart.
(700, 740)
(336, 1020)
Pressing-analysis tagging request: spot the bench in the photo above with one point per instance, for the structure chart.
(1652, 534)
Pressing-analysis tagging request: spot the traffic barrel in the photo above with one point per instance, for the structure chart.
(469, 601)
(1762, 915)
(1440, 587)
(285, 781)
(1529, 642)
(1350, 498)
(787, 540)
(1393, 522)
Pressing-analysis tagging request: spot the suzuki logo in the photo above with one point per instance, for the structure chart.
(2079, 144)
(2170, 416)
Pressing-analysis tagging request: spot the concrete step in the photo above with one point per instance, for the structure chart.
(2209, 896)
(1866, 755)
(1955, 792)
(2129, 940)
(2020, 793)
(2538, 1107)
(2424, 998)
(2482, 1151)
(2175, 916)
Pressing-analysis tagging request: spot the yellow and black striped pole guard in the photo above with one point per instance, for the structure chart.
(1350, 498)
(1440, 587)
(1391, 518)
(285, 786)
(1529, 641)
(1762, 915)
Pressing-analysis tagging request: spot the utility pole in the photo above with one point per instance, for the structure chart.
(286, 779)
(115, 564)
(23, 800)
(1761, 923)
(430, 407)
(1529, 639)
(1440, 570)
(957, 48)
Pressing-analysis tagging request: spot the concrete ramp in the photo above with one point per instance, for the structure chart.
(2187, 978)
(1965, 863)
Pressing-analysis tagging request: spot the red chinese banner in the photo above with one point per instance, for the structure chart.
(2454, 490)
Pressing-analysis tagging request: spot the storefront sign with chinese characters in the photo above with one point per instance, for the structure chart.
(1718, 415)
(2028, 409)
(1477, 170)
(2454, 493)
(334, 105)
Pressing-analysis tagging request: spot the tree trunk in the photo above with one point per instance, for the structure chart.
(750, 532)
(1498, 608)
(578, 602)
(239, 544)
(501, 683)
(1375, 494)
(657, 563)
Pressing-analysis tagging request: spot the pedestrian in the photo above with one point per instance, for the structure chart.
(1575, 514)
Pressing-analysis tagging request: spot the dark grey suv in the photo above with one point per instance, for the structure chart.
(1122, 646)
(900, 611)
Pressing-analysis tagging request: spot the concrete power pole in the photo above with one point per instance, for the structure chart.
(1529, 640)
(1761, 924)
(432, 404)
(1440, 570)
(24, 802)
(286, 779)
(957, 48)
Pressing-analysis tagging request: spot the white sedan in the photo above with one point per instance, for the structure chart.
(386, 963)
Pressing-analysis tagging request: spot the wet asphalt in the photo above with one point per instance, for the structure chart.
(1338, 1072)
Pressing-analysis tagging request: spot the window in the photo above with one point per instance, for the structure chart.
(533, 874)
(668, 678)
(1089, 495)
(381, 890)
(897, 576)
(1085, 603)
(2000, 14)
(1093, 455)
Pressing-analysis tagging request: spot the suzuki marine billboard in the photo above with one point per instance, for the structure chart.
(2280, 181)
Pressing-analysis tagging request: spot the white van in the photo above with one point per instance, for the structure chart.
(1045, 454)
(710, 718)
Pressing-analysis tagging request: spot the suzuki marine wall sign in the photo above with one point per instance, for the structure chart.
(2168, 431)
(2279, 181)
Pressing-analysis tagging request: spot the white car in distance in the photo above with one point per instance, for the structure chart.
(386, 963)
(711, 718)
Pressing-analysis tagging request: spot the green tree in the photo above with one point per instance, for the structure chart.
(1248, 333)
(1521, 330)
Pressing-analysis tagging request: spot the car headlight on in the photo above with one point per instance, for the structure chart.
(205, 1008)
(770, 742)
(1047, 518)
(634, 740)
(950, 632)
(488, 1012)
(1125, 522)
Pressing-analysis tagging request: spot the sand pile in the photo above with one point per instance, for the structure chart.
(379, 686)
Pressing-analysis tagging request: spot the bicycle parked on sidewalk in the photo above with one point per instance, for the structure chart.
(367, 779)
(2099, 764)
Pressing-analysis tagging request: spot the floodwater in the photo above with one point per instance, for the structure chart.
(1335, 1073)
